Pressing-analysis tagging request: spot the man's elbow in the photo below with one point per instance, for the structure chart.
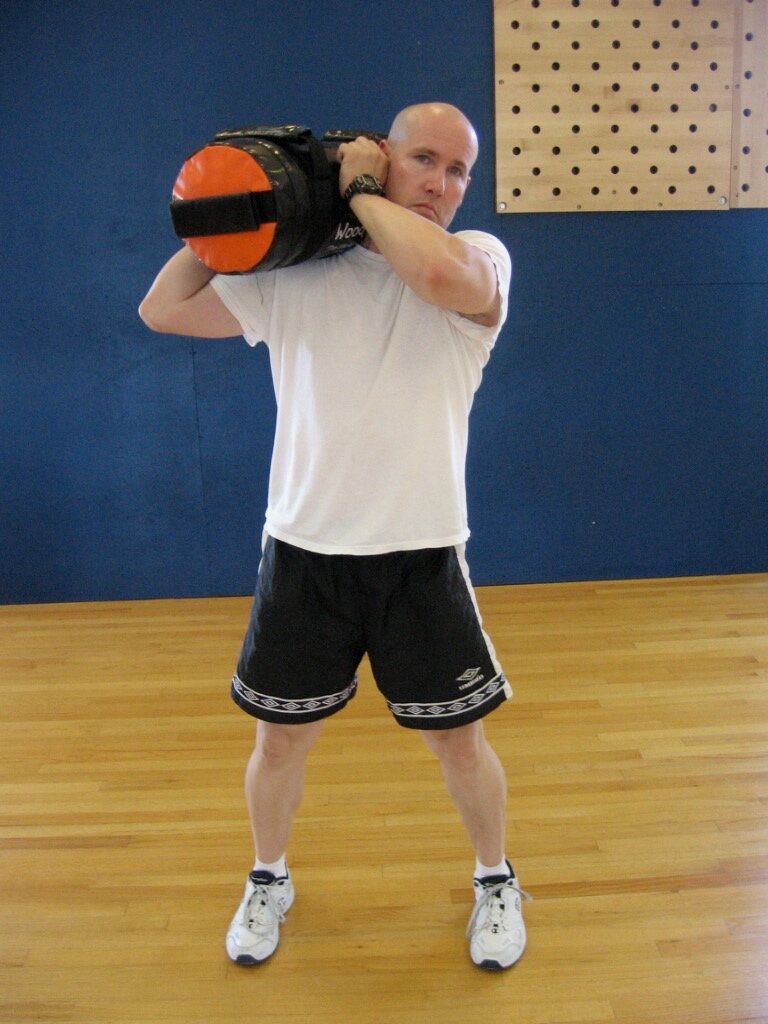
(439, 283)
(153, 319)
(452, 287)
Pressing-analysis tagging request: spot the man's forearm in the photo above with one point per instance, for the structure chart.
(182, 277)
(439, 267)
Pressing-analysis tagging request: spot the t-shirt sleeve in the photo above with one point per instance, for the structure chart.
(248, 297)
(502, 262)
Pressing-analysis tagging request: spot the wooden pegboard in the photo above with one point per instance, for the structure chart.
(613, 104)
(749, 180)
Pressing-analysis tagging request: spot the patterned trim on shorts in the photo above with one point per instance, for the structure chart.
(279, 705)
(448, 708)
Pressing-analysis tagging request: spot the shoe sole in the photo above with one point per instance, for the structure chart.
(494, 965)
(250, 961)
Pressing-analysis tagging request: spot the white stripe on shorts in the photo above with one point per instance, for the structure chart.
(449, 708)
(290, 706)
(460, 549)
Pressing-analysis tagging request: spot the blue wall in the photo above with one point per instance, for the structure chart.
(621, 428)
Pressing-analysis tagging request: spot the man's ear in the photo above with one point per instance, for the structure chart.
(385, 147)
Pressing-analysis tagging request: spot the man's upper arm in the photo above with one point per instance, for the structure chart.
(204, 315)
(181, 301)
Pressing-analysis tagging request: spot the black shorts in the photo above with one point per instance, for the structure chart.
(413, 612)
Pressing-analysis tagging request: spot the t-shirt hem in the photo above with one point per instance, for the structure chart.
(368, 549)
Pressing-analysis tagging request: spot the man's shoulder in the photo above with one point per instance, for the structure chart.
(484, 240)
(494, 248)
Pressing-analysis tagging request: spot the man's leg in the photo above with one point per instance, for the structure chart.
(274, 783)
(476, 783)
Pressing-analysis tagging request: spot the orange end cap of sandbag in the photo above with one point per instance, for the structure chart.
(221, 170)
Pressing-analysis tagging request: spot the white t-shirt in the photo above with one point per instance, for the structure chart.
(374, 387)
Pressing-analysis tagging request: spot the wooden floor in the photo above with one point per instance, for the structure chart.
(637, 755)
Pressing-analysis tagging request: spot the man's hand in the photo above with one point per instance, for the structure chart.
(363, 156)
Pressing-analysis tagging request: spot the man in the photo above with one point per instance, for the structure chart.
(376, 354)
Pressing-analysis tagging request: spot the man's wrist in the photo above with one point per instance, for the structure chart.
(361, 198)
(364, 184)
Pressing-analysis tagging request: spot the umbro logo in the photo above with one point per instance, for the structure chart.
(469, 678)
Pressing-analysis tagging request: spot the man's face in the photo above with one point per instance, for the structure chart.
(429, 169)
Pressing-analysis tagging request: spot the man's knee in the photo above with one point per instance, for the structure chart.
(279, 745)
(460, 747)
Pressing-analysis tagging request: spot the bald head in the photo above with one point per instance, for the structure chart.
(431, 148)
(440, 117)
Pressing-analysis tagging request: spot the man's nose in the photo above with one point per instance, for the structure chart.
(436, 183)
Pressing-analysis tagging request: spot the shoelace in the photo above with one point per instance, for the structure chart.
(491, 893)
(263, 898)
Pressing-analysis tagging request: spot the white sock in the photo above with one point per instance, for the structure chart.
(483, 871)
(278, 868)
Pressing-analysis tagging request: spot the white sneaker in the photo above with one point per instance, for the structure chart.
(255, 930)
(496, 930)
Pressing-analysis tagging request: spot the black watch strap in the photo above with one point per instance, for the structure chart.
(365, 184)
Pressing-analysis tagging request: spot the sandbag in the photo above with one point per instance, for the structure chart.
(264, 197)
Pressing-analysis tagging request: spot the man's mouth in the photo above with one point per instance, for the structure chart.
(424, 209)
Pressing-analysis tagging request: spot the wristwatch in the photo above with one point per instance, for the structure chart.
(366, 184)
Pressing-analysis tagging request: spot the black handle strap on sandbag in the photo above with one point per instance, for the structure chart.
(222, 215)
(323, 184)
(276, 132)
